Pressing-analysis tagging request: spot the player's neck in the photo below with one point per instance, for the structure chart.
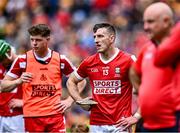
(158, 40)
(42, 54)
(108, 54)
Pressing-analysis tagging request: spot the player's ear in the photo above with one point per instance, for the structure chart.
(167, 21)
(112, 38)
(48, 38)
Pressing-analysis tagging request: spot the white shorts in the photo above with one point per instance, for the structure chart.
(107, 129)
(12, 124)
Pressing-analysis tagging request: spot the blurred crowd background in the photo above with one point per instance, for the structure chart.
(71, 22)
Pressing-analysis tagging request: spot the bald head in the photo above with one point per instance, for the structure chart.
(158, 19)
(159, 9)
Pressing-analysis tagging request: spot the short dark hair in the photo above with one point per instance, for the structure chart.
(108, 26)
(40, 29)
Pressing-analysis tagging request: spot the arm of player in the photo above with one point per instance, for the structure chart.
(134, 78)
(72, 85)
(81, 85)
(9, 83)
(65, 104)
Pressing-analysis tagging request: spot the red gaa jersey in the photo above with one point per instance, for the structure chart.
(111, 87)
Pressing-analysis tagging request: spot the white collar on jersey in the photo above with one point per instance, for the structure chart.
(44, 58)
(110, 59)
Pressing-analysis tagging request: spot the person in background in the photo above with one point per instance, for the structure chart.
(11, 114)
(168, 55)
(79, 128)
(154, 85)
(39, 71)
(107, 71)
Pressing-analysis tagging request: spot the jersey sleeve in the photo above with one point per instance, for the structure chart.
(169, 51)
(81, 71)
(131, 60)
(17, 67)
(66, 66)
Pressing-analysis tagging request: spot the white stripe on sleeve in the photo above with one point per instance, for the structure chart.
(12, 75)
(133, 57)
(77, 75)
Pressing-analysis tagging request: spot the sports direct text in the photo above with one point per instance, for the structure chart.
(39, 90)
(107, 86)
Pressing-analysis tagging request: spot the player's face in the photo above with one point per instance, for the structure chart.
(103, 40)
(39, 44)
(154, 26)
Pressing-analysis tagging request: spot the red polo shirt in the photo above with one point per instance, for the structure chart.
(155, 93)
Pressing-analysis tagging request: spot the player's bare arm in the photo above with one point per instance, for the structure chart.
(81, 85)
(74, 91)
(72, 85)
(9, 83)
(135, 79)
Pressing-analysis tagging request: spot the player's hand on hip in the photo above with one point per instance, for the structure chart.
(63, 105)
(26, 77)
(126, 122)
(15, 103)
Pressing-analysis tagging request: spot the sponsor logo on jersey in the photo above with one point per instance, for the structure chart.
(39, 90)
(43, 77)
(107, 86)
(45, 68)
(94, 70)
